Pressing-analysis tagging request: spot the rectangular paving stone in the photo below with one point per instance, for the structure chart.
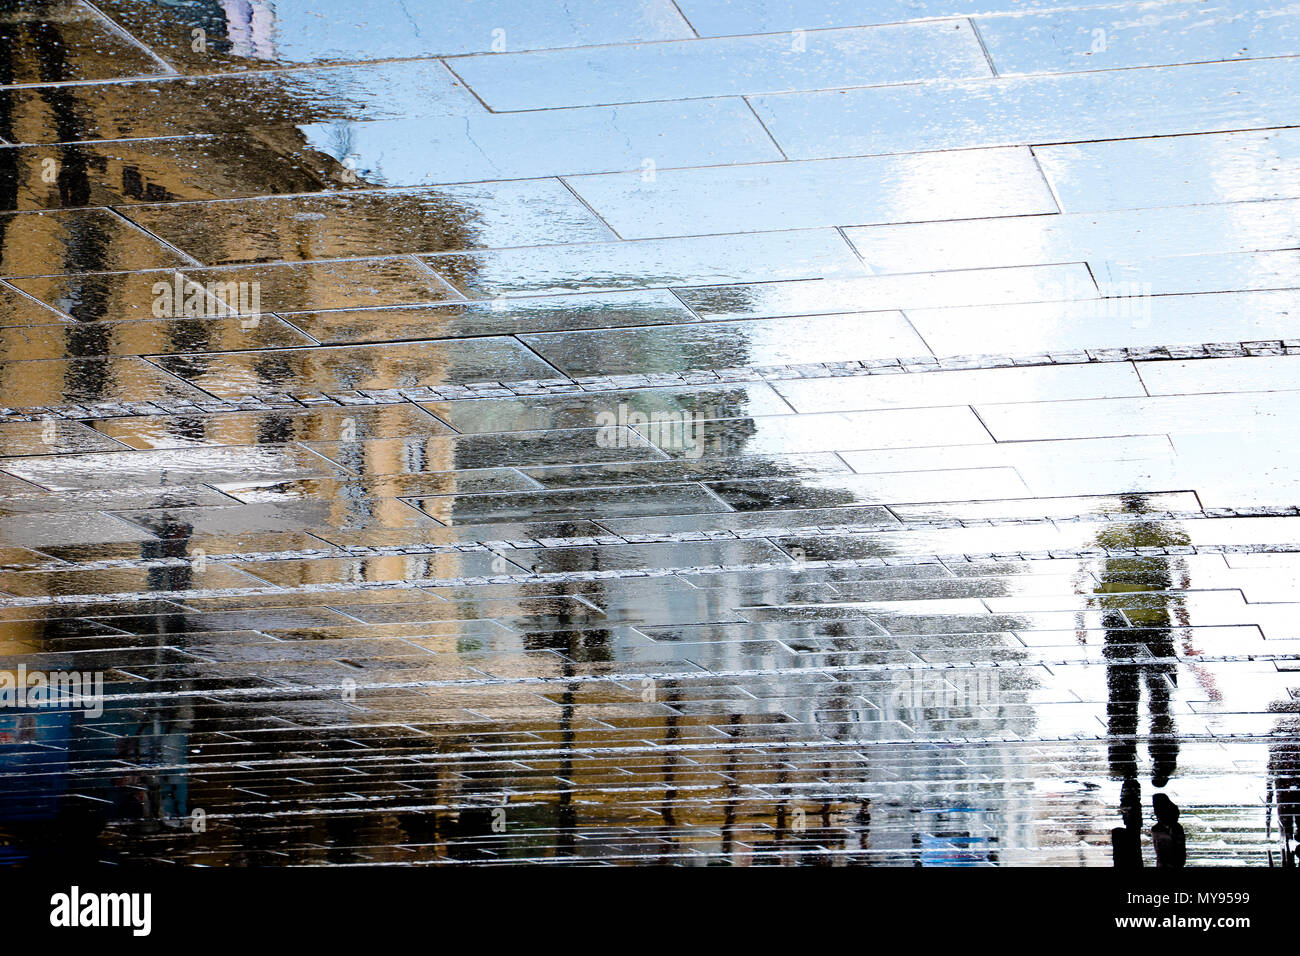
(968, 184)
(900, 53)
(234, 374)
(389, 456)
(1105, 323)
(830, 491)
(1123, 234)
(722, 17)
(1173, 170)
(373, 223)
(1264, 374)
(1003, 111)
(728, 344)
(33, 583)
(277, 425)
(150, 108)
(45, 243)
(170, 466)
(839, 431)
(685, 554)
(366, 32)
(791, 466)
(584, 410)
(655, 263)
(150, 337)
(1067, 41)
(1036, 384)
(1127, 416)
(633, 136)
(280, 517)
(498, 317)
(358, 570)
(43, 382)
(290, 287)
(152, 170)
(593, 503)
(55, 437)
(88, 46)
(751, 520)
(1228, 272)
(959, 287)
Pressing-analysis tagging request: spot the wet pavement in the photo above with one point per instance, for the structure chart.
(765, 431)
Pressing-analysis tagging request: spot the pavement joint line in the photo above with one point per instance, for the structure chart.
(564, 577)
(601, 383)
(477, 755)
(684, 537)
(282, 692)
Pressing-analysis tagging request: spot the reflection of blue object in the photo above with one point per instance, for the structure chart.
(952, 842)
(33, 762)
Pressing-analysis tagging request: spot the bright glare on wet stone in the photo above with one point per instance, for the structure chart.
(765, 431)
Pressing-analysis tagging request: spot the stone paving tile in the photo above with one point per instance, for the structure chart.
(762, 431)
(79, 241)
(1135, 35)
(631, 136)
(827, 59)
(1212, 168)
(1117, 104)
(366, 32)
(1008, 385)
(307, 371)
(149, 337)
(1123, 234)
(970, 184)
(78, 44)
(151, 170)
(1248, 272)
(551, 313)
(721, 17)
(145, 109)
(1103, 323)
(726, 344)
(290, 287)
(489, 215)
(658, 263)
(51, 381)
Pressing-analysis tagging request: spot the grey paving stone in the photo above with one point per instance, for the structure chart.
(726, 66)
(1114, 104)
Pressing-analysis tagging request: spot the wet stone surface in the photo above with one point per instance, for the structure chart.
(647, 432)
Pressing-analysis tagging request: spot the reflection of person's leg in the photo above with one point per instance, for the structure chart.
(1163, 745)
(1161, 678)
(1288, 809)
(1121, 697)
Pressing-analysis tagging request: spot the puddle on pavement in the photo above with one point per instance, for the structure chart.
(635, 438)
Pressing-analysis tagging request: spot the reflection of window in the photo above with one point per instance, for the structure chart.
(250, 28)
(132, 182)
(413, 456)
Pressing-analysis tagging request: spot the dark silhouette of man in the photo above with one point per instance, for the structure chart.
(1126, 841)
(1167, 833)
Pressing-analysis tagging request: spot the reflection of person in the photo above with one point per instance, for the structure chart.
(1284, 778)
(1136, 598)
(1126, 841)
(1167, 834)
